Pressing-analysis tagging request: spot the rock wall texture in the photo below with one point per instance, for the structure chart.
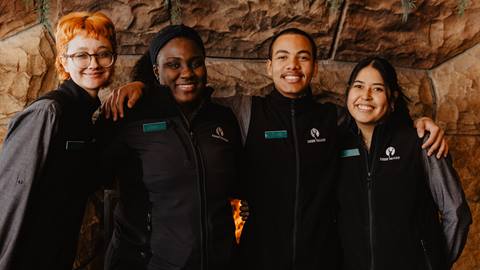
(436, 51)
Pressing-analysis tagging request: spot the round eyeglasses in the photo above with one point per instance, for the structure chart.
(83, 59)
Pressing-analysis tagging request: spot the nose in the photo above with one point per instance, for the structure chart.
(187, 72)
(93, 62)
(367, 93)
(293, 63)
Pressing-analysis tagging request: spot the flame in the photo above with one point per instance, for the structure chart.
(237, 218)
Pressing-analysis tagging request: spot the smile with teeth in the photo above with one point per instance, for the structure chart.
(293, 78)
(364, 108)
(186, 87)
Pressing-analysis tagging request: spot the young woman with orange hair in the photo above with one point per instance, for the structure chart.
(46, 165)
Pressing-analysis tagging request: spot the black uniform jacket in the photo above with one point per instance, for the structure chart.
(174, 205)
(291, 153)
(45, 179)
(387, 216)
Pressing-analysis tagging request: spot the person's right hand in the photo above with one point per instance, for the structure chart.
(244, 210)
(114, 104)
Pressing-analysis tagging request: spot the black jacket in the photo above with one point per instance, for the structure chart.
(174, 208)
(291, 154)
(387, 217)
(45, 179)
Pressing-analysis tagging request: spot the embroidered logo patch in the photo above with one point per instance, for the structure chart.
(349, 153)
(154, 127)
(275, 134)
(390, 154)
(219, 134)
(315, 136)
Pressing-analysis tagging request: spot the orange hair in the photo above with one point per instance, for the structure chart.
(92, 25)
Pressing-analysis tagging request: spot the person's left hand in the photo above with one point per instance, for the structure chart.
(114, 104)
(436, 141)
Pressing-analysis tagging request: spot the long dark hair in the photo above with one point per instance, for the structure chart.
(397, 101)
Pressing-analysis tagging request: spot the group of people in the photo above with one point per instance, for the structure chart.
(327, 188)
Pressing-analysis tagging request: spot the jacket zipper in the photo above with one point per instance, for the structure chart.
(197, 155)
(425, 253)
(297, 183)
(371, 220)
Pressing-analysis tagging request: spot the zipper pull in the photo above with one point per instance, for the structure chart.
(369, 180)
(149, 221)
(292, 108)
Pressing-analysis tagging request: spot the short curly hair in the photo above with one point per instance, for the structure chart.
(91, 24)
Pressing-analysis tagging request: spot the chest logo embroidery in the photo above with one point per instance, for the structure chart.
(219, 134)
(390, 154)
(316, 136)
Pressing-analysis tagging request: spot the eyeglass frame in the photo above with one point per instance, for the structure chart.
(114, 56)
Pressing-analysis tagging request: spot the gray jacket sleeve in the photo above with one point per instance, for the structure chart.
(21, 161)
(450, 199)
(242, 108)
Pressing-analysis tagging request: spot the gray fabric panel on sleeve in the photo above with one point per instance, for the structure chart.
(449, 197)
(22, 158)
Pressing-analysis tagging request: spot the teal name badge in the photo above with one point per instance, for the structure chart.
(74, 145)
(154, 127)
(349, 153)
(276, 134)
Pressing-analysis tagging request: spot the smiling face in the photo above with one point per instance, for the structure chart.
(367, 99)
(92, 77)
(292, 66)
(181, 67)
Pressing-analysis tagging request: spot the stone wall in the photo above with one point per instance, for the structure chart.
(437, 53)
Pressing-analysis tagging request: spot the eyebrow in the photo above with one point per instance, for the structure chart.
(287, 52)
(305, 51)
(179, 58)
(358, 81)
(85, 48)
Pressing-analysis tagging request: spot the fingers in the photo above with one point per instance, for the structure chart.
(132, 100)
(114, 108)
(244, 210)
(436, 134)
(447, 149)
(244, 215)
(441, 152)
(106, 106)
(420, 125)
(120, 101)
(437, 142)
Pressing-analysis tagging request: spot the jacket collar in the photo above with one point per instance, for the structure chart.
(283, 103)
(85, 102)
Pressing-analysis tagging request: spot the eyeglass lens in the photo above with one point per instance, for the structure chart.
(83, 60)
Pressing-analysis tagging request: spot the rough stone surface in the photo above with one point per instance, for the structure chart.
(16, 16)
(91, 244)
(465, 151)
(242, 29)
(457, 87)
(26, 69)
(136, 21)
(433, 33)
(236, 35)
